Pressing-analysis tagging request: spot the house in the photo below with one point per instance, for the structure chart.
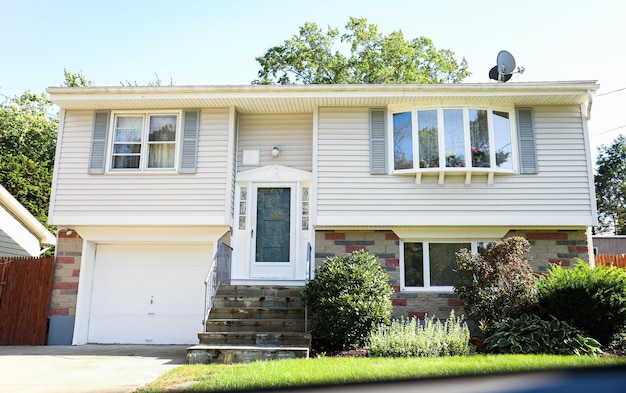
(20, 232)
(149, 180)
(611, 245)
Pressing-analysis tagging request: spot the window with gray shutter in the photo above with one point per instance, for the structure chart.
(378, 145)
(189, 151)
(97, 158)
(528, 148)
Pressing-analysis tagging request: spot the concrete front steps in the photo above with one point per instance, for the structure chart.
(250, 323)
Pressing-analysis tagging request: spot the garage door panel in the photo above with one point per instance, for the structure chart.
(148, 294)
(114, 330)
(145, 302)
(178, 277)
(174, 254)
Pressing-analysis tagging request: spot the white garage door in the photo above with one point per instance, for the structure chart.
(148, 294)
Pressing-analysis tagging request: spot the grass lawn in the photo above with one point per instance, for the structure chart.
(329, 370)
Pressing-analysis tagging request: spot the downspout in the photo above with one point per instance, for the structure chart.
(589, 104)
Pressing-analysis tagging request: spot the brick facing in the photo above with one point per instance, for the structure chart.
(66, 274)
(65, 285)
(334, 236)
(60, 311)
(65, 260)
(547, 247)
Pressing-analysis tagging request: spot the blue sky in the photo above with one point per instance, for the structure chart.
(216, 42)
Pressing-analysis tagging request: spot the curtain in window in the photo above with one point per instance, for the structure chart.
(162, 141)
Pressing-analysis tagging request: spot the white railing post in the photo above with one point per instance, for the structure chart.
(218, 273)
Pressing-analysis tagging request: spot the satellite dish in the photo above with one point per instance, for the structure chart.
(505, 62)
(493, 74)
(505, 67)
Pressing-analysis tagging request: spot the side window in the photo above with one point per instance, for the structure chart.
(402, 141)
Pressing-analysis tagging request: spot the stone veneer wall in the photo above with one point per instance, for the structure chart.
(555, 247)
(547, 247)
(64, 288)
(66, 271)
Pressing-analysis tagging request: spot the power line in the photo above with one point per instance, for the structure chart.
(611, 130)
(610, 92)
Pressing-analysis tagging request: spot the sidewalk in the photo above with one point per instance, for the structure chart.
(85, 368)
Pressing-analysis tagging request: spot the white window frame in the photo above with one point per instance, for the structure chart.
(143, 158)
(441, 139)
(427, 287)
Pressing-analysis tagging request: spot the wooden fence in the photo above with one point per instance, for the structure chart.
(25, 290)
(617, 260)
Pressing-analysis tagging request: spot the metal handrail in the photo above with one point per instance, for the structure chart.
(306, 281)
(219, 273)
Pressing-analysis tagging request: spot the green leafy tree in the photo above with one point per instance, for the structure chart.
(28, 134)
(27, 149)
(610, 183)
(76, 80)
(311, 58)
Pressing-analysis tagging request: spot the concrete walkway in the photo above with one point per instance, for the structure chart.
(85, 368)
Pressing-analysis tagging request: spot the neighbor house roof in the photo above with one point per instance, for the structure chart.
(22, 217)
(305, 98)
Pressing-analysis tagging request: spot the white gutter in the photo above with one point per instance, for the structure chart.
(29, 222)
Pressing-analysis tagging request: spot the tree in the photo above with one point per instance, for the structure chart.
(497, 283)
(28, 134)
(157, 82)
(374, 58)
(610, 184)
(27, 149)
(76, 80)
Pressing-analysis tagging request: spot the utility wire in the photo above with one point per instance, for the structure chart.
(610, 92)
(612, 129)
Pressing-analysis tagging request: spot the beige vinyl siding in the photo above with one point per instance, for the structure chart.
(141, 198)
(558, 195)
(292, 133)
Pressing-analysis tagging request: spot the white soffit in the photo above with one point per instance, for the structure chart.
(305, 98)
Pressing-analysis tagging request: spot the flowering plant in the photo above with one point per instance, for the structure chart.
(478, 152)
(453, 161)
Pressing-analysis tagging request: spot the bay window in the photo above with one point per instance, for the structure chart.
(468, 137)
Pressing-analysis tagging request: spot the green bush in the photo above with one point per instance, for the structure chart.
(529, 334)
(593, 300)
(618, 342)
(348, 297)
(411, 338)
(497, 283)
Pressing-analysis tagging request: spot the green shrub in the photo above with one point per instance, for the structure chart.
(497, 283)
(411, 338)
(529, 334)
(618, 342)
(593, 300)
(348, 297)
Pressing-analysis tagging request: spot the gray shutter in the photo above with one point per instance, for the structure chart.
(97, 158)
(189, 151)
(528, 148)
(378, 145)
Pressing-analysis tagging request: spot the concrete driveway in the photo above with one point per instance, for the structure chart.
(85, 368)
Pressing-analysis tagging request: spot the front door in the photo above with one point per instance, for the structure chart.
(273, 233)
